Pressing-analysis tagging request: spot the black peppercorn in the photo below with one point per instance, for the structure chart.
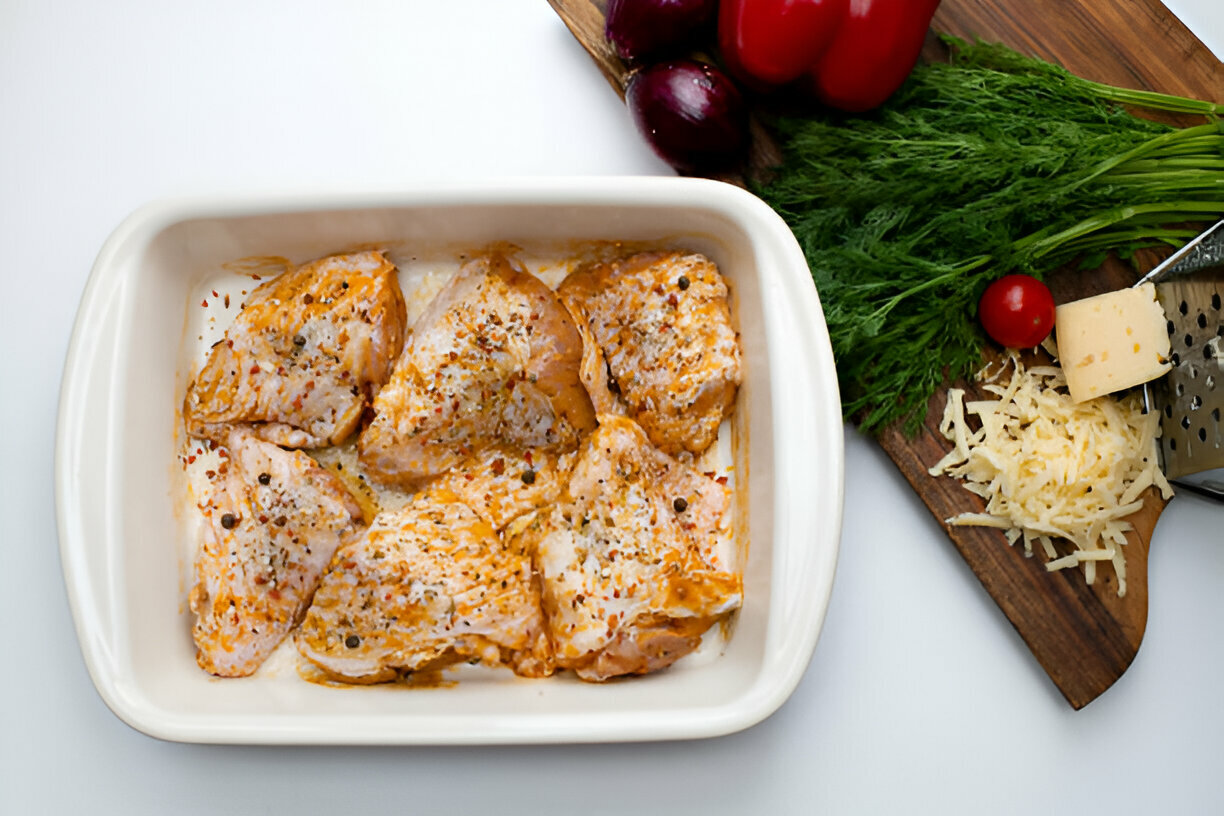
(683, 283)
(299, 340)
(681, 504)
(228, 521)
(265, 478)
(352, 641)
(528, 477)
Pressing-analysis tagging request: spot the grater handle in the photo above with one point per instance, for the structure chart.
(1203, 251)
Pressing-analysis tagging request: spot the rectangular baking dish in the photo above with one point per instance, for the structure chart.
(122, 528)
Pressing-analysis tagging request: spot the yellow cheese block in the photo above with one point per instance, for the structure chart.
(1111, 341)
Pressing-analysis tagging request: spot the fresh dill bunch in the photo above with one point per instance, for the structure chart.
(991, 163)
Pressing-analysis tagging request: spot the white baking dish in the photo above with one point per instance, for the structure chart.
(122, 526)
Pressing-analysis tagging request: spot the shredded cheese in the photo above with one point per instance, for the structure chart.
(1053, 471)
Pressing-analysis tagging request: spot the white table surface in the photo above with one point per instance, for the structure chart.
(920, 696)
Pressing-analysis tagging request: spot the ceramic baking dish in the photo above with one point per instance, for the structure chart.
(125, 530)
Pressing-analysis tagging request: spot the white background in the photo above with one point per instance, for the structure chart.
(920, 696)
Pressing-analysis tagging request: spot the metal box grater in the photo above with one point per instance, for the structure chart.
(1190, 398)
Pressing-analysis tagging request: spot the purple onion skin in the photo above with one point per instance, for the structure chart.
(691, 114)
(638, 29)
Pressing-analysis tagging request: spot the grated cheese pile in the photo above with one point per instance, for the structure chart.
(1050, 468)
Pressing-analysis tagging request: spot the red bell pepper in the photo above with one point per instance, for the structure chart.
(854, 53)
(776, 41)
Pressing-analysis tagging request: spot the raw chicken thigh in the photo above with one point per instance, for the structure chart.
(305, 356)
(493, 360)
(428, 585)
(502, 483)
(659, 345)
(272, 523)
(629, 562)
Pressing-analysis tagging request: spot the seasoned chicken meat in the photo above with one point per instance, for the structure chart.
(305, 355)
(492, 360)
(427, 585)
(629, 562)
(502, 483)
(658, 344)
(273, 520)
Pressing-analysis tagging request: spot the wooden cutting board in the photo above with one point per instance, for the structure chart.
(1084, 636)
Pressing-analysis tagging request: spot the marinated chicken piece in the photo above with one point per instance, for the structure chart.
(305, 355)
(628, 558)
(658, 344)
(427, 585)
(502, 483)
(493, 359)
(273, 522)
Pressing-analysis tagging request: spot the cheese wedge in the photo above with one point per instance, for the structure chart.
(1112, 341)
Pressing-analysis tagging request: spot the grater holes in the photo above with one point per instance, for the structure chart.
(1175, 359)
(1215, 414)
(1202, 321)
(1196, 402)
(1202, 434)
(1170, 328)
(1185, 423)
(1168, 411)
(1179, 389)
(1215, 301)
(1188, 340)
(1172, 443)
(1208, 351)
(1183, 308)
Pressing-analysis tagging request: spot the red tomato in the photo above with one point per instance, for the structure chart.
(776, 41)
(1017, 311)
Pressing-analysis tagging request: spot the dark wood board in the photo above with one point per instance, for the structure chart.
(1084, 636)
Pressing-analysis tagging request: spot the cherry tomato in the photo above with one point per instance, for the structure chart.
(1017, 311)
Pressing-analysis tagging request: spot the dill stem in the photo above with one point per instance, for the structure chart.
(1039, 246)
(1151, 100)
(952, 275)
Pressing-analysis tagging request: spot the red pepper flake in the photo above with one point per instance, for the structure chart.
(261, 579)
(204, 303)
(438, 410)
(215, 293)
(722, 480)
(227, 300)
(254, 277)
(229, 343)
(210, 473)
(263, 519)
(308, 298)
(190, 459)
(527, 457)
(672, 301)
(274, 594)
(499, 466)
(255, 369)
